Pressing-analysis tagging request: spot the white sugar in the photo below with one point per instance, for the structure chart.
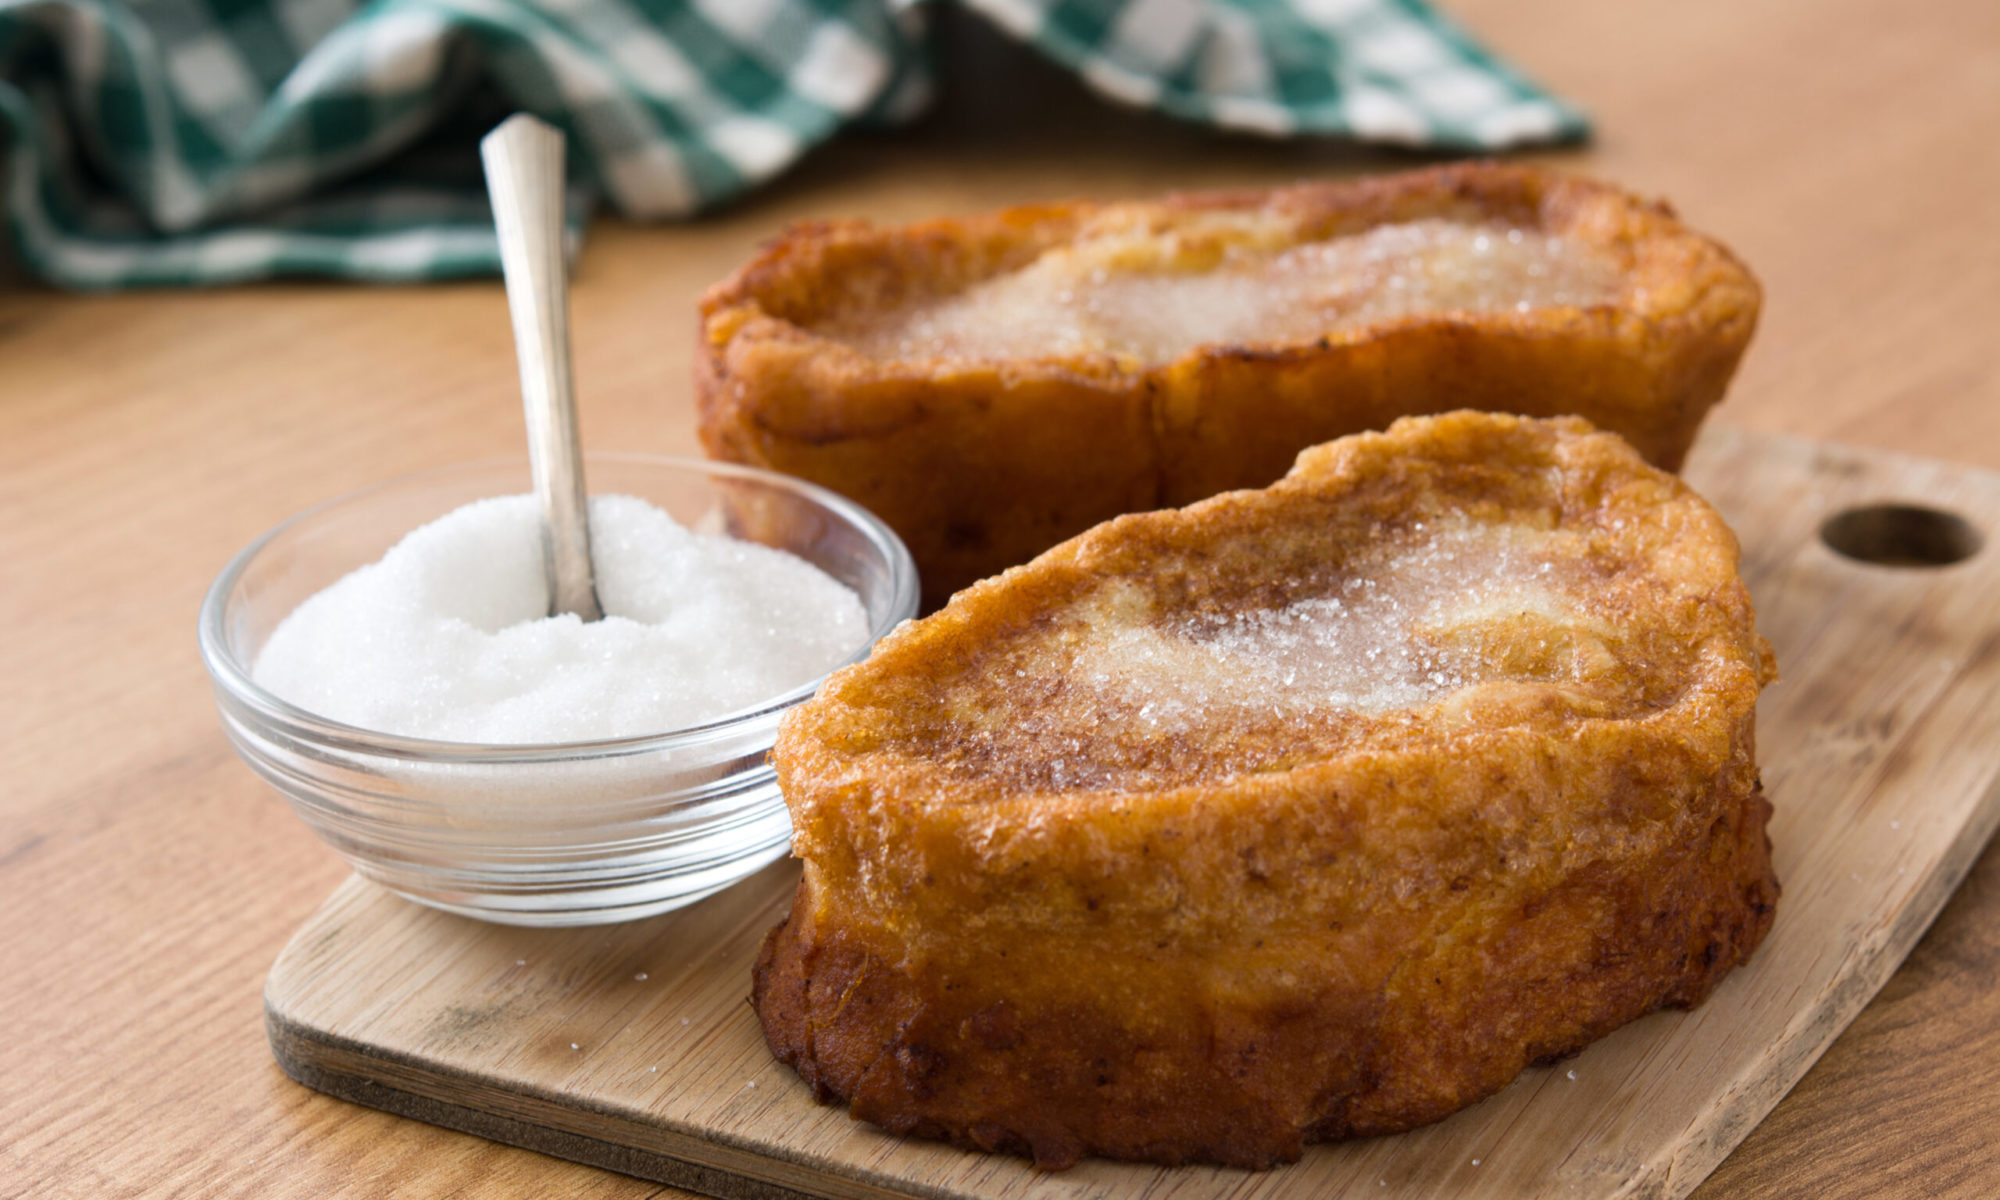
(1371, 644)
(446, 637)
(1091, 297)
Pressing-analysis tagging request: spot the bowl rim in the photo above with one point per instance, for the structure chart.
(232, 677)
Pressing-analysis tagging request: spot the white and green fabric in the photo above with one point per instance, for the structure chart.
(205, 141)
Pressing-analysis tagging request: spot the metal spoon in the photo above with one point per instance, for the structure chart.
(524, 176)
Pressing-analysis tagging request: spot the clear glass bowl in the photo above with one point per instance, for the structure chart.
(572, 834)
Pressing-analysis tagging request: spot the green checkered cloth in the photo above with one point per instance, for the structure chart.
(208, 141)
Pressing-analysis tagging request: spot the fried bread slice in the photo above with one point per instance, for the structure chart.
(991, 385)
(1303, 813)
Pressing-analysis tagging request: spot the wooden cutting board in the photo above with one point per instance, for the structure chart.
(634, 1047)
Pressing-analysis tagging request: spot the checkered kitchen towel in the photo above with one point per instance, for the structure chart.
(204, 141)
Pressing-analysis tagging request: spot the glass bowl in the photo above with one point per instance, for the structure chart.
(571, 834)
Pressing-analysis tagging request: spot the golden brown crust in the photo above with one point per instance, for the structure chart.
(1242, 936)
(981, 465)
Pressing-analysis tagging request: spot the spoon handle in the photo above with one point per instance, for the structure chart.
(524, 176)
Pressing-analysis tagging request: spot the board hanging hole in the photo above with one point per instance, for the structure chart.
(1900, 535)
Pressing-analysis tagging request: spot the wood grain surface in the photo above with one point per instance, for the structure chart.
(1845, 148)
(631, 1045)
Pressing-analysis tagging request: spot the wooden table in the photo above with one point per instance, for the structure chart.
(1846, 148)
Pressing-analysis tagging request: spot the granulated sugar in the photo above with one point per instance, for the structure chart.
(447, 636)
(1366, 647)
(1087, 298)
